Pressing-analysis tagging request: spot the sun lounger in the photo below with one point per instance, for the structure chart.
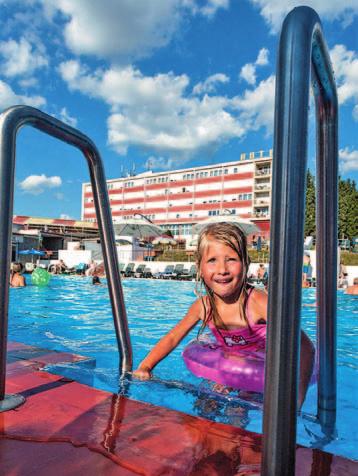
(166, 274)
(188, 275)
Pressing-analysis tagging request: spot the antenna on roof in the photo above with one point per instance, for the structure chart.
(149, 164)
(122, 170)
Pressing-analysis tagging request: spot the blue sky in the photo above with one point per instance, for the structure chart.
(160, 83)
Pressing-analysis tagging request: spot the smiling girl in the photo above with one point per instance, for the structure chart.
(234, 311)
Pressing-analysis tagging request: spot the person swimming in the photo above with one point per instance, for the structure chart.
(234, 311)
(17, 280)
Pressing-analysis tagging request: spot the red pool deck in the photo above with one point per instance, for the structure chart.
(65, 428)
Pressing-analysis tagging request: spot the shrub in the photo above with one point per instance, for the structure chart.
(349, 259)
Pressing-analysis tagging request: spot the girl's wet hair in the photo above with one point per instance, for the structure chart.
(230, 235)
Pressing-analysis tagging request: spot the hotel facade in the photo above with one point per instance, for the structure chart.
(178, 199)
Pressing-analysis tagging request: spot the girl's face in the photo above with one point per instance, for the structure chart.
(221, 269)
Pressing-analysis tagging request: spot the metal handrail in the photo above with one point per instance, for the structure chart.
(10, 122)
(302, 51)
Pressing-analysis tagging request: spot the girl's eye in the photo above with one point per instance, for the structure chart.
(211, 260)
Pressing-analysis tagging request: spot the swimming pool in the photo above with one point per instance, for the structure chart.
(73, 315)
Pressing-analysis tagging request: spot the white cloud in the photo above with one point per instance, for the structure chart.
(28, 82)
(65, 117)
(122, 29)
(348, 160)
(160, 163)
(345, 65)
(209, 85)
(117, 28)
(248, 71)
(355, 112)
(64, 216)
(36, 184)
(262, 57)
(8, 98)
(212, 6)
(156, 112)
(274, 11)
(257, 106)
(19, 58)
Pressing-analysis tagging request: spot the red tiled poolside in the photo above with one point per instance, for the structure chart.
(66, 428)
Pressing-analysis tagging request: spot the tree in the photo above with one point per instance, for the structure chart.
(347, 209)
(310, 209)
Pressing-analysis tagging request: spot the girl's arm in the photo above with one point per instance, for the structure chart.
(169, 342)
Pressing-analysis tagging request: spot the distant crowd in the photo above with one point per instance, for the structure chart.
(97, 270)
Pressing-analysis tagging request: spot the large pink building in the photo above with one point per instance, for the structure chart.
(177, 199)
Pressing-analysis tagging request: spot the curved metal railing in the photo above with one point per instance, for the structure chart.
(302, 54)
(10, 122)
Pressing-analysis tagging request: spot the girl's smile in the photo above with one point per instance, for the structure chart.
(221, 269)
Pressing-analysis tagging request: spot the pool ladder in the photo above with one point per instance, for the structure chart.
(302, 54)
(11, 120)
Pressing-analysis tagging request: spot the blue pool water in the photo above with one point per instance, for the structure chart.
(72, 315)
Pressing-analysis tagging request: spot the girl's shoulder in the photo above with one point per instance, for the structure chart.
(258, 302)
(257, 294)
(199, 307)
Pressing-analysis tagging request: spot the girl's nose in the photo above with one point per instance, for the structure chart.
(222, 267)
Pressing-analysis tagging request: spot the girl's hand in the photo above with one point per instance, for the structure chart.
(142, 373)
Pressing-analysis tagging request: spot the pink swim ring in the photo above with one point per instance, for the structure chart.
(240, 369)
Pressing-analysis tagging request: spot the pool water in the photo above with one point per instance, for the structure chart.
(72, 315)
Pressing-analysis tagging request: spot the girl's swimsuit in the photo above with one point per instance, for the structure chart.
(251, 338)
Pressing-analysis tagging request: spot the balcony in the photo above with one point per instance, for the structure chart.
(262, 187)
(262, 172)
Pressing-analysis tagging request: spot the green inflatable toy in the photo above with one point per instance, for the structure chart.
(40, 277)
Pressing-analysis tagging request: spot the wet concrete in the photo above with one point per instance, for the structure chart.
(66, 428)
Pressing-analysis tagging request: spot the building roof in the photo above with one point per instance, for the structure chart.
(57, 225)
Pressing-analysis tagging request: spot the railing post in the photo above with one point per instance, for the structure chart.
(10, 122)
(301, 48)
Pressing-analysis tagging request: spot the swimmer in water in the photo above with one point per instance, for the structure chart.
(232, 309)
(17, 280)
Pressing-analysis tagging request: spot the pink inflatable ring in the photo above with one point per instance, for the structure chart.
(238, 369)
